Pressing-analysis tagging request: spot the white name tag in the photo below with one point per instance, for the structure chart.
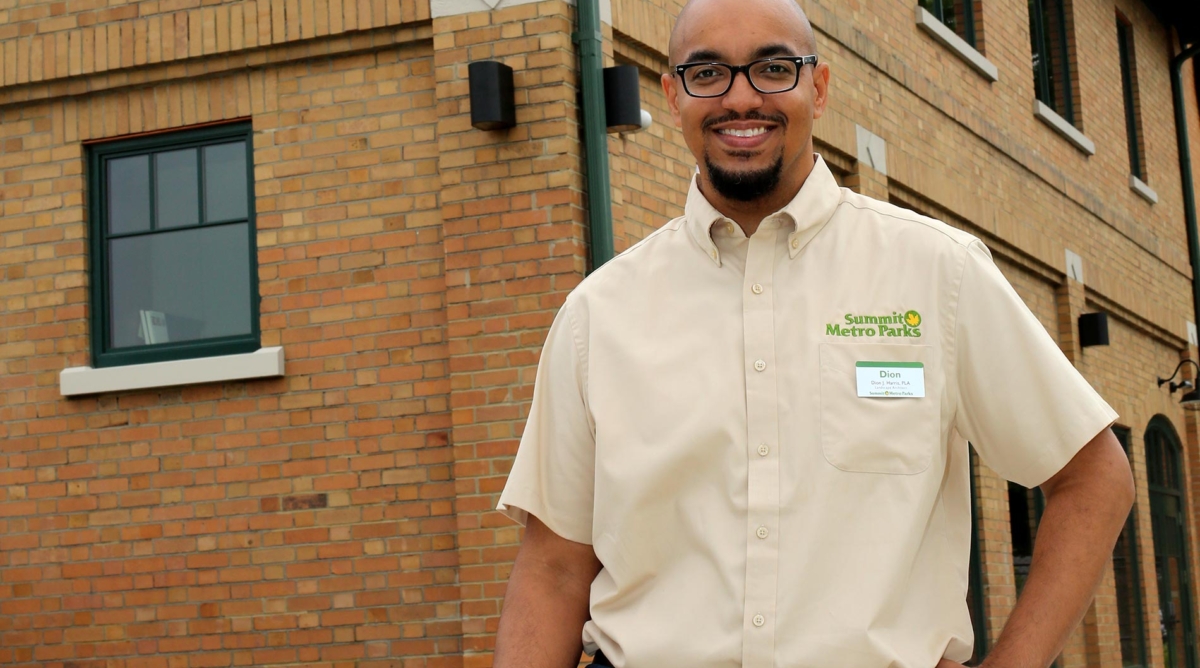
(892, 380)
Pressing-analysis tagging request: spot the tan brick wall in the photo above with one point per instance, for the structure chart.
(410, 266)
(294, 521)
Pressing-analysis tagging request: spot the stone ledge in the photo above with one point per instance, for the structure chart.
(1062, 127)
(958, 46)
(1139, 186)
(262, 363)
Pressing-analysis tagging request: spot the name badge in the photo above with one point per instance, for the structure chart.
(890, 380)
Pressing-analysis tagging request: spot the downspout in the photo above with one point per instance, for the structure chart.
(1185, 171)
(595, 135)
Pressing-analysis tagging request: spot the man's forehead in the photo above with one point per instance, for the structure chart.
(739, 29)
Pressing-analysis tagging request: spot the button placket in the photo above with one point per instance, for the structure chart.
(762, 424)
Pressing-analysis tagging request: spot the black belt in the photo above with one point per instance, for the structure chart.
(600, 661)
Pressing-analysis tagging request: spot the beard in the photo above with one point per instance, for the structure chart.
(743, 186)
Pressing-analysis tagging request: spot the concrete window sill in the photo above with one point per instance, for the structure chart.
(957, 45)
(1062, 127)
(263, 363)
(1139, 186)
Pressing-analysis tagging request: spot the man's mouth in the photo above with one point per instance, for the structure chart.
(743, 132)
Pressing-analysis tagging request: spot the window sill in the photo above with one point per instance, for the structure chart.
(1139, 186)
(929, 23)
(263, 363)
(1062, 127)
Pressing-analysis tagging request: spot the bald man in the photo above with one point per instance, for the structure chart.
(748, 438)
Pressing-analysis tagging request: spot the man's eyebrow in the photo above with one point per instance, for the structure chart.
(773, 50)
(702, 56)
(765, 51)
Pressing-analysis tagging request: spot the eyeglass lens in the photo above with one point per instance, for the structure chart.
(768, 77)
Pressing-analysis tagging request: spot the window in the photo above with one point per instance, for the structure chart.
(1051, 56)
(975, 596)
(173, 260)
(1128, 579)
(1133, 117)
(957, 15)
(1025, 508)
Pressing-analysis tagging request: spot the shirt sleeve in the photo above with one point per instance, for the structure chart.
(553, 475)
(1021, 404)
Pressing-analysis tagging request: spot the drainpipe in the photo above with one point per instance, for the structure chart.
(1185, 170)
(595, 131)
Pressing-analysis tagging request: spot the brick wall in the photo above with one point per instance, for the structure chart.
(410, 265)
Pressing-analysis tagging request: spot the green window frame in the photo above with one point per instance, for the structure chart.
(976, 600)
(957, 15)
(1051, 51)
(1128, 90)
(161, 217)
(1127, 575)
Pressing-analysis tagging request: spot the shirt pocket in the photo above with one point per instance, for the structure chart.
(877, 434)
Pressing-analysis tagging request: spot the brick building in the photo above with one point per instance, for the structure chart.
(271, 308)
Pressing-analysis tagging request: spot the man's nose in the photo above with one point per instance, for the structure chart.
(741, 95)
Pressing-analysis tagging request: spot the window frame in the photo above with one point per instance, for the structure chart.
(1042, 86)
(975, 578)
(1134, 569)
(98, 154)
(1128, 58)
(938, 9)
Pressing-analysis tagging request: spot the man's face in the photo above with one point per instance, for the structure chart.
(746, 142)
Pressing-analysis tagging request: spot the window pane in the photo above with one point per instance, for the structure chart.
(225, 182)
(180, 286)
(177, 191)
(129, 194)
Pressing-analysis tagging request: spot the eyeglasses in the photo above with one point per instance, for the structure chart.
(768, 75)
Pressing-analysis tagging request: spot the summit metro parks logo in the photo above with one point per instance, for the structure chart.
(907, 324)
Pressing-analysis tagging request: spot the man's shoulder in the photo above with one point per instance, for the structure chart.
(641, 260)
(870, 210)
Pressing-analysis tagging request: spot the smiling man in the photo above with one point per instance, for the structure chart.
(748, 438)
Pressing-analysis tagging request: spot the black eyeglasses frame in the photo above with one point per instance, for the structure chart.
(799, 61)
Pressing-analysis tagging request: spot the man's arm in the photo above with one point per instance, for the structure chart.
(1087, 503)
(546, 604)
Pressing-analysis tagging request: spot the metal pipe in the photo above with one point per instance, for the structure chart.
(595, 131)
(1185, 171)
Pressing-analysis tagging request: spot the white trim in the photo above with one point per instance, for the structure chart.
(1074, 266)
(929, 23)
(1139, 186)
(440, 8)
(872, 149)
(1191, 332)
(1062, 127)
(262, 363)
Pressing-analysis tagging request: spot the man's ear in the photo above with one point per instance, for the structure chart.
(820, 88)
(671, 90)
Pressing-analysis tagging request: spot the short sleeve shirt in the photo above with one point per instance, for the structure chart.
(709, 415)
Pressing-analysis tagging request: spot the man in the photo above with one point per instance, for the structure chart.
(748, 439)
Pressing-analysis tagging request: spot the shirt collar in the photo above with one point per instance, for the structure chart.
(806, 214)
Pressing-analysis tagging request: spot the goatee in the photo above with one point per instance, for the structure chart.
(744, 186)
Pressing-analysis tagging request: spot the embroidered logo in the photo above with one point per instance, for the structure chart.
(905, 324)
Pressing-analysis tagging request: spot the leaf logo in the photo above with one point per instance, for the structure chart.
(912, 319)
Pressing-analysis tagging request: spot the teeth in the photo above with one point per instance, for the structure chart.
(753, 132)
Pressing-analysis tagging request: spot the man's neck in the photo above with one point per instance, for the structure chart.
(749, 215)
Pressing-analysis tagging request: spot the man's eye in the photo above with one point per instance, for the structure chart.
(707, 72)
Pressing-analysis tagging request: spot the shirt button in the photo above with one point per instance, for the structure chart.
(763, 450)
(759, 620)
(756, 288)
(795, 243)
(760, 365)
(762, 532)
(713, 254)
(729, 227)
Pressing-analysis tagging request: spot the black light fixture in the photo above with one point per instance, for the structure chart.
(492, 106)
(622, 99)
(1190, 400)
(1093, 329)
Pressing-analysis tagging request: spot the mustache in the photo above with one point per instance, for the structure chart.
(778, 119)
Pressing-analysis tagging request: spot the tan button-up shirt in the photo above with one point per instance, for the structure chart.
(715, 415)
